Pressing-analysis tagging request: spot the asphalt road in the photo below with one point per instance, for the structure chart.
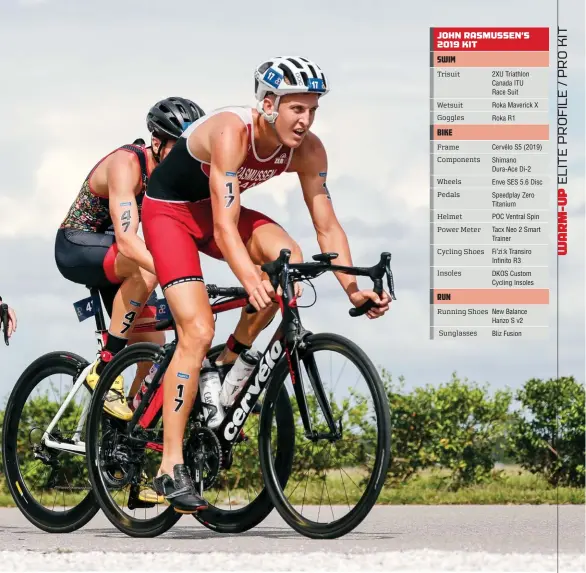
(487, 529)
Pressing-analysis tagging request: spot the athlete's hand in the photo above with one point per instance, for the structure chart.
(358, 298)
(11, 322)
(261, 295)
(297, 289)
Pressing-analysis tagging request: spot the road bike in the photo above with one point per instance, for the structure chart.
(291, 421)
(43, 433)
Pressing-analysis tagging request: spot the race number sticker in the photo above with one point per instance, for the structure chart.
(87, 307)
(315, 85)
(273, 77)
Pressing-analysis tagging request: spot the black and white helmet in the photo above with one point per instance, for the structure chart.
(287, 75)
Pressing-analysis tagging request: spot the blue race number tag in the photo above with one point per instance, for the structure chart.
(315, 85)
(273, 77)
(87, 307)
(163, 311)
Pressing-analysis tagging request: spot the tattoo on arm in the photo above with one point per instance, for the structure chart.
(229, 195)
(179, 398)
(125, 218)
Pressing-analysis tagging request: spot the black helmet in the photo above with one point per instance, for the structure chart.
(171, 116)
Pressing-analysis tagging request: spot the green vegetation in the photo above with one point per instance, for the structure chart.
(455, 443)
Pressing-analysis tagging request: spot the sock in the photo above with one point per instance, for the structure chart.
(235, 346)
(114, 344)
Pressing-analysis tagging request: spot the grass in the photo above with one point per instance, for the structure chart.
(512, 486)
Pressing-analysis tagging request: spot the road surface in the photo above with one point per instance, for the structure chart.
(392, 538)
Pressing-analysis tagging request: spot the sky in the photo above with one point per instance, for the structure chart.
(79, 77)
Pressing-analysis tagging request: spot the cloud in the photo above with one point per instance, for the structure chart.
(69, 107)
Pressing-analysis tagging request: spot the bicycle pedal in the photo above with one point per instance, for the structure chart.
(134, 502)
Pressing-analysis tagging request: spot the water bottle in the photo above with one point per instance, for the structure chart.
(209, 387)
(238, 375)
(144, 386)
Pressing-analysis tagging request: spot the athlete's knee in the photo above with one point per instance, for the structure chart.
(296, 253)
(195, 334)
(293, 247)
(150, 280)
(147, 280)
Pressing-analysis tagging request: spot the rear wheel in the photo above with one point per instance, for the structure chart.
(234, 490)
(51, 487)
(239, 501)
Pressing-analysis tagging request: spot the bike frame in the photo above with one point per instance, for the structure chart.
(76, 445)
(287, 339)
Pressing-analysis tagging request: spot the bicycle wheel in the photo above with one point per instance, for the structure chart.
(233, 518)
(362, 440)
(33, 468)
(228, 517)
(111, 460)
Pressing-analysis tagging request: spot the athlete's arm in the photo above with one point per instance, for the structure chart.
(124, 179)
(311, 163)
(228, 147)
(11, 320)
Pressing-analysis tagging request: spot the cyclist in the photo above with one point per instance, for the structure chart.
(5, 310)
(192, 204)
(97, 243)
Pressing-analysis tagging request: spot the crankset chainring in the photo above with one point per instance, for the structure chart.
(114, 460)
(204, 446)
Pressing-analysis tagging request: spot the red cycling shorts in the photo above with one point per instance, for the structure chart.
(175, 233)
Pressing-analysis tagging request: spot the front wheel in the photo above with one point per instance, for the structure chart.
(341, 464)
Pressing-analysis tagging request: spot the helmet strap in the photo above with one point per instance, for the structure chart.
(270, 117)
(157, 155)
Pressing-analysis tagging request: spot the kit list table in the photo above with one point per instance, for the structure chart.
(490, 190)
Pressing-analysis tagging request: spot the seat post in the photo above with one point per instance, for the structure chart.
(99, 316)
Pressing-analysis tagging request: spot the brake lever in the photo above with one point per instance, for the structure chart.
(390, 281)
(384, 265)
(364, 308)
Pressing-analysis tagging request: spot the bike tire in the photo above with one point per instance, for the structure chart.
(138, 352)
(214, 518)
(342, 526)
(249, 516)
(45, 519)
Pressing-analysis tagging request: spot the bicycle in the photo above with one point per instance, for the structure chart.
(204, 449)
(61, 426)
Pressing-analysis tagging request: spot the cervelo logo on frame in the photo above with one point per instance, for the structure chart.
(265, 368)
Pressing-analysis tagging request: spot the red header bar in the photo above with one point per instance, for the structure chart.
(490, 39)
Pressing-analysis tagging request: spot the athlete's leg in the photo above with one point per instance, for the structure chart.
(248, 328)
(264, 240)
(88, 258)
(92, 259)
(170, 231)
(193, 316)
(135, 286)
